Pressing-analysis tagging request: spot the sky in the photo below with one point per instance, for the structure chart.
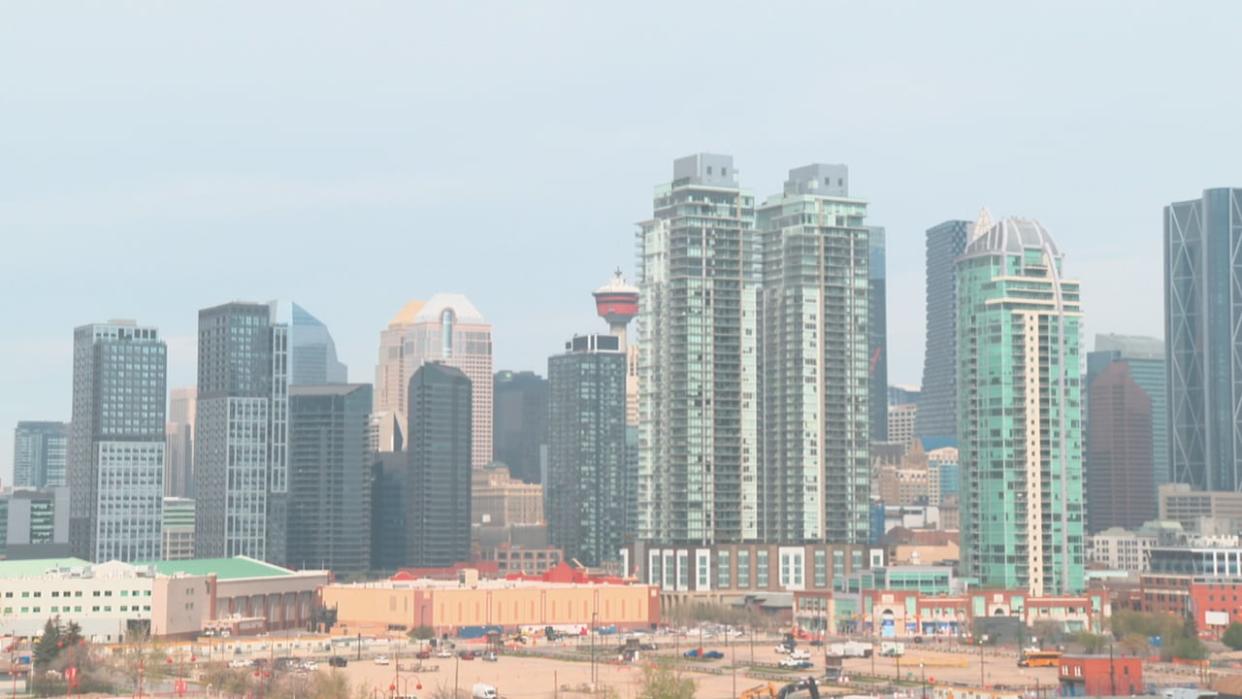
(161, 157)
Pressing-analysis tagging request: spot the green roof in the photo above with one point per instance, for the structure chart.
(235, 568)
(37, 567)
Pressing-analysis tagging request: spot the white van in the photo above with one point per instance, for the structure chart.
(483, 691)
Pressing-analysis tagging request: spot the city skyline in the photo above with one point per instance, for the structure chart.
(390, 160)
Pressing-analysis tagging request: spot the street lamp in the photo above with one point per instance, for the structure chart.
(923, 678)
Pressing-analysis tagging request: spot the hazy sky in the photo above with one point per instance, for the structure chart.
(160, 157)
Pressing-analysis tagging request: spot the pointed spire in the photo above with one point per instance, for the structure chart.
(982, 223)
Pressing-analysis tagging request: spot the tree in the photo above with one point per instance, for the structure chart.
(1233, 636)
(1190, 649)
(48, 646)
(1048, 633)
(663, 683)
(1091, 643)
(422, 633)
(1134, 644)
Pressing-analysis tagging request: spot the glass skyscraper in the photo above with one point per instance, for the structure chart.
(877, 327)
(241, 473)
(520, 423)
(39, 451)
(115, 462)
(438, 499)
(698, 395)
(815, 355)
(937, 416)
(1019, 411)
(585, 498)
(312, 352)
(1203, 311)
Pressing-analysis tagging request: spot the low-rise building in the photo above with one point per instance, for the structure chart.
(448, 606)
(34, 523)
(498, 499)
(178, 529)
(1121, 549)
(1177, 502)
(1100, 676)
(921, 547)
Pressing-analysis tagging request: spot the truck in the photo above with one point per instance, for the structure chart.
(849, 649)
(483, 691)
(892, 649)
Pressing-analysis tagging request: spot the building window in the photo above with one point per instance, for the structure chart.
(761, 569)
(821, 568)
(743, 569)
(723, 581)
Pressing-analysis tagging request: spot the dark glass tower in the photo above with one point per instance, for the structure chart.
(438, 519)
(1203, 311)
(1121, 489)
(520, 422)
(585, 496)
(330, 477)
(937, 416)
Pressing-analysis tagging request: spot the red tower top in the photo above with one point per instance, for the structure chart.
(616, 302)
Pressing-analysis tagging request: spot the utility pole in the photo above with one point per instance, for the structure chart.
(456, 673)
(982, 682)
(1112, 673)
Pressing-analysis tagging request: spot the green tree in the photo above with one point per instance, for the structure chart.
(48, 646)
(423, 633)
(663, 683)
(1233, 636)
(1134, 644)
(1190, 649)
(1091, 643)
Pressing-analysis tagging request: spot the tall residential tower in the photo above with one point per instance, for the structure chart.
(937, 414)
(39, 450)
(698, 389)
(816, 360)
(1019, 411)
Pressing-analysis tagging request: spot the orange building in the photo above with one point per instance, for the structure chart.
(448, 606)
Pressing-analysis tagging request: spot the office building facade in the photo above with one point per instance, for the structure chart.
(1144, 358)
(115, 463)
(34, 523)
(179, 471)
(330, 462)
(816, 359)
(1203, 308)
(450, 330)
(585, 494)
(39, 452)
(241, 475)
(1019, 404)
(390, 486)
(520, 423)
(441, 424)
(698, 387)
(178, 529)
(388, 416)
(1121, 486)
(938, 400)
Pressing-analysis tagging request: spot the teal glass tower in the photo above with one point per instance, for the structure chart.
(1019, 411)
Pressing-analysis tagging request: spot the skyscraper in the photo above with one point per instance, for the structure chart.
(438, 501)
(1019, 411)
(585, 494)
(698, 443)
(241, 476)
(877, 326)
(1120, 484)
(937, 416)
(391, 380)
(815, 315)
(312, 352)
(520, 423)
(1202, 309)
(39, 451)
(451, 331)
(179, 472)
(1145, 362)
(390, 486)
(115, 460)
(330, 465)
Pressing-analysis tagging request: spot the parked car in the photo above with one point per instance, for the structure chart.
(490, 656)
(337, 661)
(791, 664)
(423, 654)
(713, 655)
(239, 664)
(382, 660)
(444, 652)
(466, 655)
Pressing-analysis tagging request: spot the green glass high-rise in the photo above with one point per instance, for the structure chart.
(1019, 411)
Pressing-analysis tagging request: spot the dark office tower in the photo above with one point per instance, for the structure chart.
(584, 497)
(390, 483)
(877, 324)
(1120, 488)
(697, 365)
(312, 352)
(179, 469)
(115, 461)
(814, 315)
(241, 433)
(520, 422)
(39, 450)
(438, 519)
(330, 462)
(1145, 359)
(937, 416)
(1202, 311)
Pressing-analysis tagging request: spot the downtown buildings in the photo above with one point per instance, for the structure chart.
(115, 462)
(241, 470)
(179, 471)
(39, 451)
(1019, 411)
(1203, 308)
(439, 447)
(937, 414)
(520, 423)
